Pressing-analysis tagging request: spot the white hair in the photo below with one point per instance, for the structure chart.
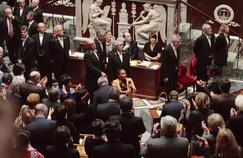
(239, 102)
(176, 37)
(168, 125)
(102, 81)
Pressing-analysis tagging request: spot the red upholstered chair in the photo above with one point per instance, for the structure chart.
(185, 79)
(193, 64)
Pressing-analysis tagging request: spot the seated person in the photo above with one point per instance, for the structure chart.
(124, 84)
(152, 49)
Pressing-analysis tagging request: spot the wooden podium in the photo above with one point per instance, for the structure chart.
(146, 76)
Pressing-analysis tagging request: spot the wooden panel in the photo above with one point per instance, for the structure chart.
(147, 80)
(77, 70)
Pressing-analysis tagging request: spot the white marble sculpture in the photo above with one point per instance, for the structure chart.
(98, 17)
(154, 22)
(123, 21)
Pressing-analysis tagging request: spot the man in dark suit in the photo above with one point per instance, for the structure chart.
(101, 47)
(38, 12)
(31, 86)
(113, 148)
(59, 52)
(93, 65)
(130, 46)
(204, 49)
(112, 107)
(222, 103)
(173, 107)
(26, 53)
(129, 121)
(118, 59)
(100, 95)
(169, 64)
(42, 41)
(10, 33)
(236, 121)
(20, 11)
(41, 129)
(169, 144)
(31, 23)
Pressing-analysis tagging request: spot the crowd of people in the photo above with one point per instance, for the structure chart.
(43, 112)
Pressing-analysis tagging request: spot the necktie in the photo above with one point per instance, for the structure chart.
(10, 28)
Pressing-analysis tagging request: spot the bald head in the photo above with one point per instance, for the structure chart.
(41, 27)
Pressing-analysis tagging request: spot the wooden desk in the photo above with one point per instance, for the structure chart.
(146, 79)
(77, 68)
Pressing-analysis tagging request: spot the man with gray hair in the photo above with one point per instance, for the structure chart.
(169, 145)
(118, 59)
(41, 129)
(100, 95)
(59, 48)
(204, 50)
(169, 64)
(236, 120)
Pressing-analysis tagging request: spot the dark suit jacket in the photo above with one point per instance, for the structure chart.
(132, 128)
(176, 147)
(235, 125)
(43, 53)
(105, 110)
(32, 28)
(222, 104)
(41, 131)
(4, 31)
(204, 54)
(114, 150)
(172, 108)
(132, 50)
(38, 14)
(169, 67)
(102, 53)
(27, 88)
(114, 64)
(22, 17)
(27, 53)
(100, 96)
(93, 71)
(221, 50)
(60, 56)
(61, 152)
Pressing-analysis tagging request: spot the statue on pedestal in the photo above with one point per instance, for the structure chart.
(98, 17)
(154, 22)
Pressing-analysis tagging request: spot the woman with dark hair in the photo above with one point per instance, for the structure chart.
(61, 149)
(152, 49)
(97, 128)
(23, 146)
(18, 73)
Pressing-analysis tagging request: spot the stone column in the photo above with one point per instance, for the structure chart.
(170, 21)
(183, 12)
(78, 13)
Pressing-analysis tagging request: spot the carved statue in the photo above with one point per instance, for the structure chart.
(156, 19)
(98, 17)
